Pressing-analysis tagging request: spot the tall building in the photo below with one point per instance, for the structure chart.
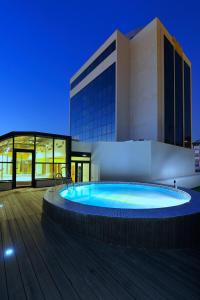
(134, 87)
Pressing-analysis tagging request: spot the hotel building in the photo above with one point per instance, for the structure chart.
(134, 87)
(130, 119)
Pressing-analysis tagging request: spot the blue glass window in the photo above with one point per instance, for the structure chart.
(92, 110)
(187, 105)
(169, 91)
(94, 64)
(179, 100)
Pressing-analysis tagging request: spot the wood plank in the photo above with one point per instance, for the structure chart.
(53, 264)
(3, 283)
(13, 276)
(94, 271)
(30, 281)
(45, 279)
(60, 278)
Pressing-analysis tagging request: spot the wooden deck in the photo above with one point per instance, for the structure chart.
(50, 264)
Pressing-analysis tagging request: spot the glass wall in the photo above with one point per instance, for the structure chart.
(80, 167)
(177, 97)
(92, 110)
(94, 64)
(187, 105)
(179, 100)
(6, 158)
(169, 91)
(24, 142)
(33, 157)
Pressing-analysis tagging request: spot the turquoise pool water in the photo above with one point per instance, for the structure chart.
(125, 195)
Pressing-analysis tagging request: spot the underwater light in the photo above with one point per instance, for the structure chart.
(1, 205)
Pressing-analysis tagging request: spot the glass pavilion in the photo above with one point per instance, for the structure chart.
(26, 157)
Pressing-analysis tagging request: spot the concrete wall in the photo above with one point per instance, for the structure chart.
(140, 161)
(143, 84)
(122, 160)
(122, 88)
(171, 161)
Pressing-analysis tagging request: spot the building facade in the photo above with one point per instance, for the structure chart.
(134, 87)
(196, 147)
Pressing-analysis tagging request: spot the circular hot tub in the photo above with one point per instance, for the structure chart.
(131, 214)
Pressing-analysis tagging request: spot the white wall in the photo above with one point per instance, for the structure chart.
(140, 161)
(143, 84)
(171, 161)
(122, 160)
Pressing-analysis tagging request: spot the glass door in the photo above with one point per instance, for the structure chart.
(86, 172)
(24, 168)
(80, 171)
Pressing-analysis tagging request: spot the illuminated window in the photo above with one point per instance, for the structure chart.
(61, 169)
(59, 151)
(80, 158)
(6, 149)
(44, 150)
(6, 171)
(43, 170)
(24, 142)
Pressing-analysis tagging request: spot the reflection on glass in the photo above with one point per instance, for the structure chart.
(6, 148)
(43, 170)
(23, 168)
(59, 151)
(92, 110)
(44, 150)
(86, 172)
(5, 171)
(24, 142)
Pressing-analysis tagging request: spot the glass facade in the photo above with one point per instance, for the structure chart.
(24, 142)
(94, 64)
(6, 158)
(179, 100)
(177, 97)
(80, 167)
(187, 105)
(26, 158)
(169, 91)
(92, 110)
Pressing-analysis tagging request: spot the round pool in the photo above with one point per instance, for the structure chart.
(125, 195)
(130, 214)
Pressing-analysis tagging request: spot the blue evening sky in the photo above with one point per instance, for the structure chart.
(42, 43)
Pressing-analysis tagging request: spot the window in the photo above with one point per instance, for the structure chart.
(6, 150)
(43, 170)
(59, 151)
(44, 158)
(94, 64)
(6, 171)
(80, 158)
(92, 110)
(6, 157)
(44, 150)
(187, 105)
(61, 169)
(24, 142)
(169, 91)
(179, 100)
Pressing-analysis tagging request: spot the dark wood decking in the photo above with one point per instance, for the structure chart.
(51, 264)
